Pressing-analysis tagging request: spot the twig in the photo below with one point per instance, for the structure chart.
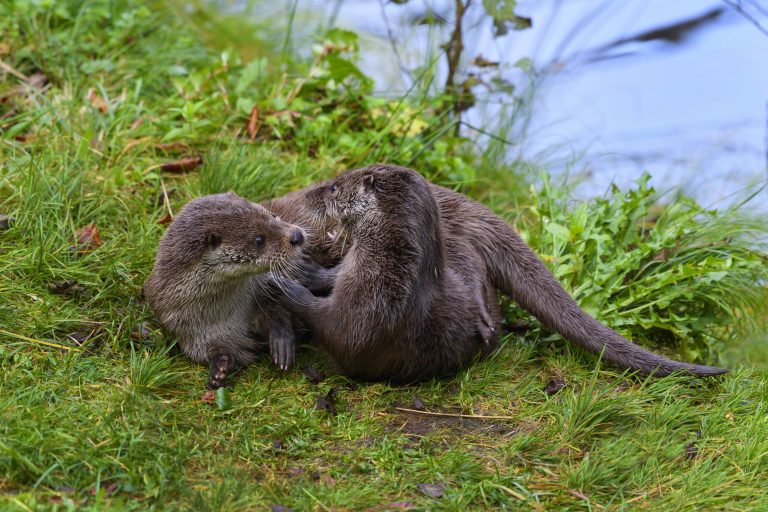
(470, 416)
(739, 7)
(39, 342)
(166, 200)
(12, 71)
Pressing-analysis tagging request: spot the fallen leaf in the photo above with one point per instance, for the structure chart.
(223, 400)
(313, 375)
(109, 489)
(88, 239)
(182, 164)
(68, 287)
(578, 494)
(96, 100)
(554, 385)
(6, 222)
(691, 451)
(172, 146)
(209, 396)
(482, 62)
(327, 402)
(432, 490)
(81, 337)
(165, 219)
(417, 403)
(253, 122)
(140, 331)
(402, 505)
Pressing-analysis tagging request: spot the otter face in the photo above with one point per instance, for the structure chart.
(349, 197)
(232, 236)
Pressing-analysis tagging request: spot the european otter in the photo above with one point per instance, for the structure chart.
(208, 285)
(480, 243)
(400, 309)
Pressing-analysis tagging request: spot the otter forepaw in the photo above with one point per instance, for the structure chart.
(289, 293)
(314, 276)
(282, 348)
(221, 366)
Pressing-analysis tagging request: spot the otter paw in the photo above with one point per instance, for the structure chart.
(282, 349)
(314, 276)
(221, 366)
(485, 326)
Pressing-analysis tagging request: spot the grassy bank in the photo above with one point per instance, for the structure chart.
(108, 108)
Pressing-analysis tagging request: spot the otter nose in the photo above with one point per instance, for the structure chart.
(297, 237)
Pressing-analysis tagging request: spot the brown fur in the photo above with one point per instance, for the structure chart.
(208, 283)
(477, 245)
(401, 308)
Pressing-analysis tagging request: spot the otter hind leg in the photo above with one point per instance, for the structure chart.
(485, 324)
(222, 365)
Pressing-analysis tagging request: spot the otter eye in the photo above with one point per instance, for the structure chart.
(334, 188)
(260, 240)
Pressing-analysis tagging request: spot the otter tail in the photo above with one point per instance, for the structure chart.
(519, 273)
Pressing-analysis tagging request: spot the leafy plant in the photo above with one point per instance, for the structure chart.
(674, 274)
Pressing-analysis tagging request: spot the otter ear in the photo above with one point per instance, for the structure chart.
(369, 182)
(212, 240)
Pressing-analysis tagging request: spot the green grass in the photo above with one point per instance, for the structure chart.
(109, 422)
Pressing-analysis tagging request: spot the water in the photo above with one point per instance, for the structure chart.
(692, 112)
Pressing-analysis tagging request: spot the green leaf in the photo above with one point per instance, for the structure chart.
(526, 64)
(250, 74)
(561, 233)
(223, 399)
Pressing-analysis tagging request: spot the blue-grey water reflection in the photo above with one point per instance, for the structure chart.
(689, 106)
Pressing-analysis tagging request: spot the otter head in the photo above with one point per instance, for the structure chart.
(230, 237)
(362, 194)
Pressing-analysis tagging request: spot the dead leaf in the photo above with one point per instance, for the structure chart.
(209, 396)
(140, 331)
(165, 219)
(417, 403)
(182, 164)
(432, 490)
(172, 146)
(96, 100)
(554, 386)
(88, 239)
(254, 123)
(6, 222)
(578, 494)
(482, 62)
(68, 287)
(327, 402)
(313, 375)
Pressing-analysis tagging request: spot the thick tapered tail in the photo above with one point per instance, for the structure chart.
(520, 274)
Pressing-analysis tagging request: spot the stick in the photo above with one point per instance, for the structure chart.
(470, 416)
(39, 342)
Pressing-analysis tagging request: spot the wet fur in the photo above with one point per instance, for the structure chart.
(403, 305)
(480, 246)
(208, 285)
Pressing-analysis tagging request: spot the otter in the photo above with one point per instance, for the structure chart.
(209, 283)
(401, 308)
(476, 242)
